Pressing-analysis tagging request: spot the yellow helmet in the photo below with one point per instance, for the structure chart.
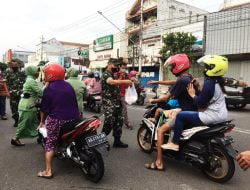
(215, 65)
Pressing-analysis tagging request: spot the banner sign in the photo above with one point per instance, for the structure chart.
(103, 43)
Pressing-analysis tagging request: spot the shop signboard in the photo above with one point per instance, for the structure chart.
(103, 43)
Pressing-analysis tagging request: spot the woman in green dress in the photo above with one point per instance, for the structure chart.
(78, 86)
(28, 118)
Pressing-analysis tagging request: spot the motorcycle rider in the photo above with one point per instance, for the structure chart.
(79, 87)
(58, 106)
(111, 102)
(179, 65)
(210, 101)
(93, 86)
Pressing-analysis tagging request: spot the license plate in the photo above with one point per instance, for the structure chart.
(96, 139)
(97, 97)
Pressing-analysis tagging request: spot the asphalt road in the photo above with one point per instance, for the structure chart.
(124, 168)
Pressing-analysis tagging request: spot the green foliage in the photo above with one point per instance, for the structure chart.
(177, 42)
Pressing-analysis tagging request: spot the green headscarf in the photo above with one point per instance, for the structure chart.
(72, 72)
(31, 70)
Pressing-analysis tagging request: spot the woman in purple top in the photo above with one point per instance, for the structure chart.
(58, 106)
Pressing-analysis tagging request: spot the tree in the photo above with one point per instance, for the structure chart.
(177, 42)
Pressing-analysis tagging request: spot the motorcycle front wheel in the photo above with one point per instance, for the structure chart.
(93, 167)
(221, 166)
(144, 135)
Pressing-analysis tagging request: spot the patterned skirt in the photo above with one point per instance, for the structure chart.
(53, 127)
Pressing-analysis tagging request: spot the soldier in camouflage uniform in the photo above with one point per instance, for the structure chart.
(112, 105)
(15, 80)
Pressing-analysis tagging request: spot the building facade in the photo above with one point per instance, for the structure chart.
(16, 54)
(105, 47)
(66, 53)
(227, 33)
(159, 18)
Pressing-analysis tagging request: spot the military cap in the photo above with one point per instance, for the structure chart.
(114, 61)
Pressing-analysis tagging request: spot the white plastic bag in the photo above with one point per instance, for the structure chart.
(131, 95)
(43, 131)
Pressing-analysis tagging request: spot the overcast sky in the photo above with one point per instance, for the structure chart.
(24, 21)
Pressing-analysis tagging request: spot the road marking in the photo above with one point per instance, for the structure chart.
(239, 130)
(136, 108)
(186, 187)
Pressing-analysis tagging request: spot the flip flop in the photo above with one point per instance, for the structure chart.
(42, 175)
(153, 166)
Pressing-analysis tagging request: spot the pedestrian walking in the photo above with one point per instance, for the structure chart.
(112, 103)
(15, 80)
(122, 75)
(27, 109)
(79, 87)
(4, 92)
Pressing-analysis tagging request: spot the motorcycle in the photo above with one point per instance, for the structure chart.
(94, 102)
(206, 147)
(141, 95)
(79, 141)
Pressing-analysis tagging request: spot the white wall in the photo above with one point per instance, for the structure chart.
(239, 70)
(228, 32)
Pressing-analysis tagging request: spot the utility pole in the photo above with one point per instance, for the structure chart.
(42, 39)
(140, 43)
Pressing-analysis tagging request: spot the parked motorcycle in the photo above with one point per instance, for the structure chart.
(80, 142)
(141, 95)
(207, 148)
(94, 102)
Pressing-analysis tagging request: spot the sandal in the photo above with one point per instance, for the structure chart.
(170, 146)
(42, 174)
(153, 166)
(16, 142)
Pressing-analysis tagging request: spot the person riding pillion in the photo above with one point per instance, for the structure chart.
(210, 101)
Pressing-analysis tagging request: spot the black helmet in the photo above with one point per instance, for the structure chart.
(91, 74)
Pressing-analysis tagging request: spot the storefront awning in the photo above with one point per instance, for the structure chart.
(98, 64)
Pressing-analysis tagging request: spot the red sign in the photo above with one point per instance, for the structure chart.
(9, 55)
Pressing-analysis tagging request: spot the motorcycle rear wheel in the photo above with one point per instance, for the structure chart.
(144, 139)
(218, 172)
(93, 167)
(141, 101)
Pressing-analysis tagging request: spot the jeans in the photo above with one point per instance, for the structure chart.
(2, 105)
(183, 120)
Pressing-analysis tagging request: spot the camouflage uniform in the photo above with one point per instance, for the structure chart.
(15, 81)
(112, 106)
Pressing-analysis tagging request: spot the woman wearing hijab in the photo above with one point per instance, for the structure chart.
(28, 120)
(79, 87)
